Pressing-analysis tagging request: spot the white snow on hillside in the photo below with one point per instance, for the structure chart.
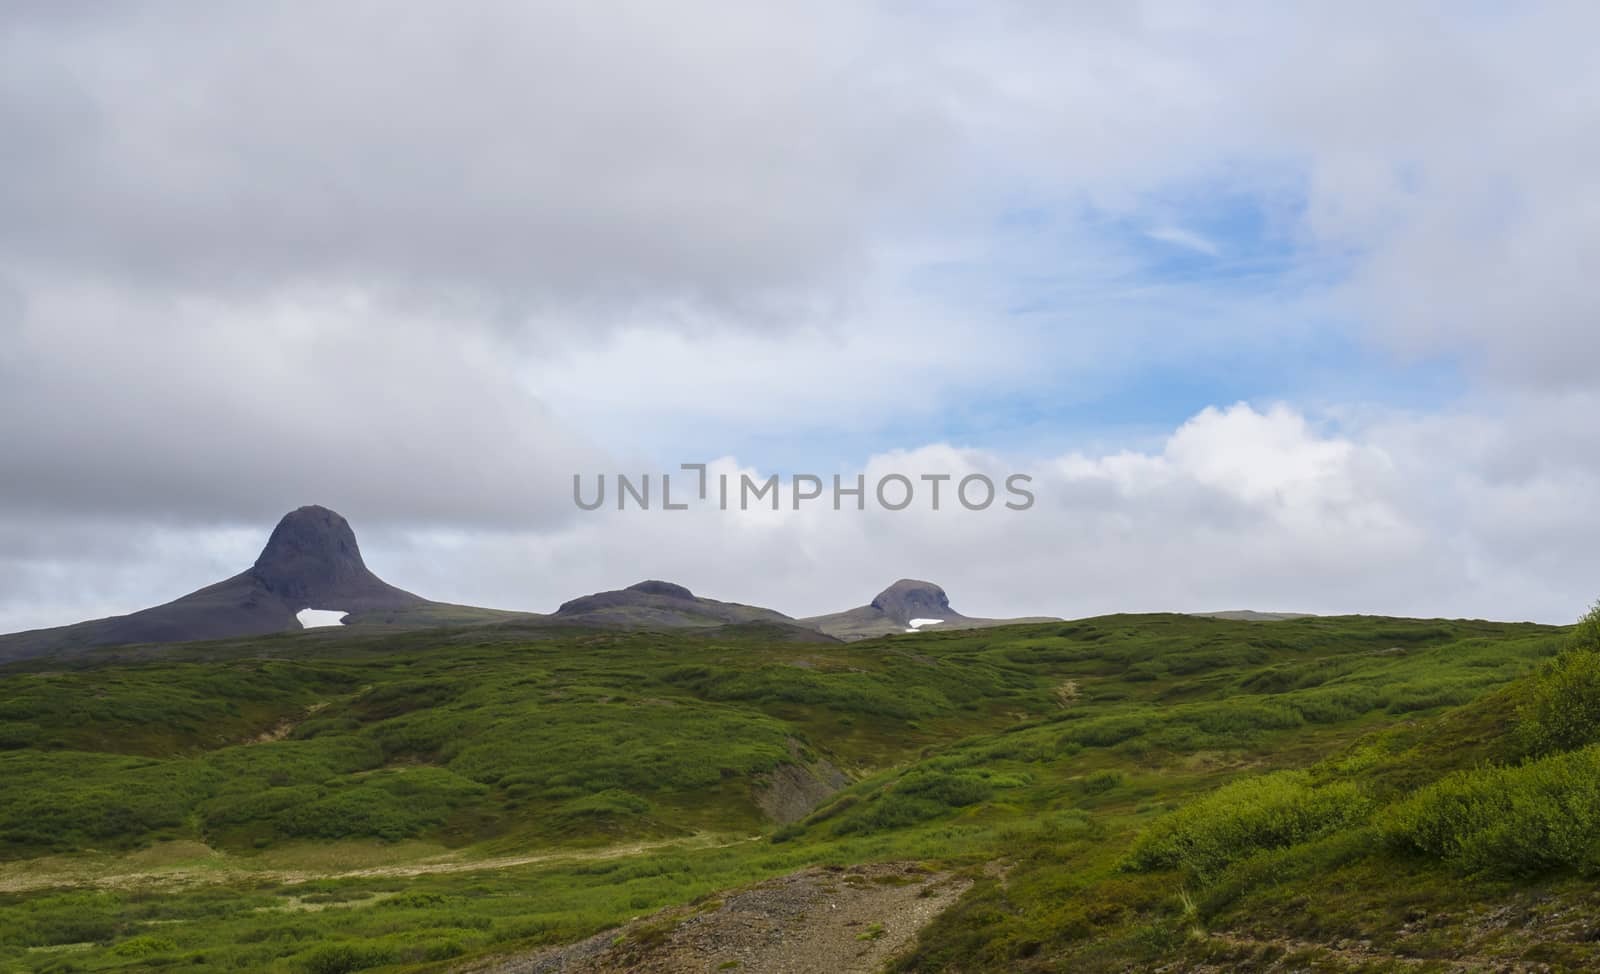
(317, 618)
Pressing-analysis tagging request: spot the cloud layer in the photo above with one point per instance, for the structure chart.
(421, 263)
(1239, 507)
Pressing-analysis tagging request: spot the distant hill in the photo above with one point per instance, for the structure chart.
(1251, 615)
(311, 561)
(656, 604)
(894, 609)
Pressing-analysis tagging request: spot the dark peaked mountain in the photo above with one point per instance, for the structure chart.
(311, 561)
(910, 599)
(894, 608)
(312, 558)
(655, 604)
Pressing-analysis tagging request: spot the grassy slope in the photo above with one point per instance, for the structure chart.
(1049, 748)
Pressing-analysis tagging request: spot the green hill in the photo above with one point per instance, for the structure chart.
(1123, 793)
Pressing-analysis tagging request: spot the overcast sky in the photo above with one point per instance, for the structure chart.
(1282, 306)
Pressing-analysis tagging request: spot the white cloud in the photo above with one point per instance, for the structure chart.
(1240, 507)
(1187, 239)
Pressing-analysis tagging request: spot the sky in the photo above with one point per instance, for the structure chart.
(1284, 307)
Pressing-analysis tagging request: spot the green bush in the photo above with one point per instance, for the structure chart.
(917, 797)
(606, 806)
(1587, 633)
(425, 733)
(1102, 781)
(344, 958)
(65, 799)
(415, 900)
(388, 805)
(1239, 719)
(851, 692)
(143, 946)
(1539, 816)
(1562, 711)
(1329, 705)
(403, 697)
(1429, 695)
(953, 790)
(583, 748)
(1267, 812)
(1107, 731)
(17, 734)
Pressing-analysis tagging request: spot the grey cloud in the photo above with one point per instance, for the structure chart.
(253, 256)
(1392, 517)
(122, 411)
(553, 165)
(494, 156)
(1398, 515)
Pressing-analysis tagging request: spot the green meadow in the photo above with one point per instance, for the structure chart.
(1127, 792)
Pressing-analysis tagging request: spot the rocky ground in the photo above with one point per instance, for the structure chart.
(824, 920)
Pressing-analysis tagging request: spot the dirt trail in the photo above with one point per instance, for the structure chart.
(824, 920)
(286, 726)
(14, 880)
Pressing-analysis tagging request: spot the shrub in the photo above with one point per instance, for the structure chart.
(143, 946)
(415, 900)
(424, 732)
(1586, 636)
(917, 797)
(953, 790)
(1429, 695)
(18, 734)
(67, 798)
(603, 807)
(1237, 718)
(344, 958)
(1102, 781)
(388, 805)
(1267, 812)
(1562, 711)
(1539, 816)
(402, 697)
(318, 726)
(1107, 731)
(1330, 705)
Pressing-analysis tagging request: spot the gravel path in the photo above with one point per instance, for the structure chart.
(823, 920)
(63, 871)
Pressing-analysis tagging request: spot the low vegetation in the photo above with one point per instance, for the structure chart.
(1216, 792)
(1244, 817)
(1527, 819)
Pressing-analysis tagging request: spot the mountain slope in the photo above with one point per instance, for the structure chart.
(1251, 615)
(364, 800)
(893, 609)
(311, 561)
(655, 604)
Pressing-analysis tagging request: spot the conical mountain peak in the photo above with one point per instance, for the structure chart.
(312, 553)
(911, 598)
(312, 560)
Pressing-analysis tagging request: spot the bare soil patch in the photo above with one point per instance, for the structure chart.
(823, 920)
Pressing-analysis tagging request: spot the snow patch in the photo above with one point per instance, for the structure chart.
(318, 618)
(916, 624)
